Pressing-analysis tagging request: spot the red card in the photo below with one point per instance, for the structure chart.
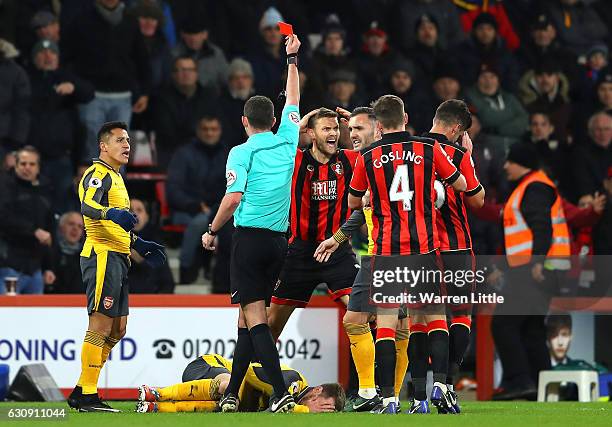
(285, 29)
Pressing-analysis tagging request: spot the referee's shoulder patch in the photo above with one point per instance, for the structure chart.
(294, 117)
(230, 177)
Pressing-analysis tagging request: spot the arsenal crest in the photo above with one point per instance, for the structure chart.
(337, 167)
(108, 302)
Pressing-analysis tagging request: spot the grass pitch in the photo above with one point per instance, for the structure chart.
(489, 414)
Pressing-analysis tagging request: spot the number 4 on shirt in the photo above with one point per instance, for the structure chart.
(400, 188)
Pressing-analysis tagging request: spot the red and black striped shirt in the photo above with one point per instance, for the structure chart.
(452, 220)
(319, 202)
(400, 170)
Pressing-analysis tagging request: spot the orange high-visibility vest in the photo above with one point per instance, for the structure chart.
(517, 235)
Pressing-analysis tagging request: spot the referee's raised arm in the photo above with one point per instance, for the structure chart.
(293, 77)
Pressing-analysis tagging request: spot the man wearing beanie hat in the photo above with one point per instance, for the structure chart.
(427, 51)
(485, 45)
(210, 59)
(537, 243)
(56, 131)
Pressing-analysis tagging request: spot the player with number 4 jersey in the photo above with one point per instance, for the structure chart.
(399, 171)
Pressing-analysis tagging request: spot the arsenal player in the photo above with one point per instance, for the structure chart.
(399, 171)
(450, 124)
(319, 205)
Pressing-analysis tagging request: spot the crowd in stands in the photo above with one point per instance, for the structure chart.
(180, 70)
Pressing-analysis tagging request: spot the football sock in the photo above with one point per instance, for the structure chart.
(193, 406)
(362, 350)
(438, 349)
(458, 342)
(109, 343)
(242, 357)
(91, 361)
(206, 389)
(266, 352)
(417, 353)
(385, 359)
(401, 358)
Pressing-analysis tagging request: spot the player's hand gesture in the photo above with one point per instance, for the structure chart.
(345, 115)
(326, 249)
(292, 44)
(599, 203)
(304, 120)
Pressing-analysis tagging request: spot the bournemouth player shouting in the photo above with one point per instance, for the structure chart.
(400, 170)
(319, 205)
(450, 124)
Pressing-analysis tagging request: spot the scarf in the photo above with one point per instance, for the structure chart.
(114, 16)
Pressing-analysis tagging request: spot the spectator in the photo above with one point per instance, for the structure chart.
(105, 47)
(503, 117)
(592, 160)
(240, 87)
(195, 187)
(446, 84)
(596, 63)
(72, 195)
(485, 46)
(543, 43)
(427, 53)
(210, 59)
(599, 99)
(144, 279)
(331, 55)
(27, 222)
(375, 59)
(66, 255)
(14, 101)
(546, 90)
(473, 8)
(408, 12)
(342, 91)
(46, 26)
(150, 22)
(417, 101)
(578, 24)
(553, 150)
(58, 134)
(177, 107)
(268, 60)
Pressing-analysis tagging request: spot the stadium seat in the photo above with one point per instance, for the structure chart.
(549, 382)
(164, 210)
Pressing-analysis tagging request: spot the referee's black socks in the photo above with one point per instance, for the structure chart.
(266, 352)
(242, 357)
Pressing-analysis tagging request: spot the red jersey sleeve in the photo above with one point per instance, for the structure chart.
(445, 169)
(359, 181)
(466, 167)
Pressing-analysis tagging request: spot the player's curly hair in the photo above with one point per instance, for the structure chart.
(336, 391)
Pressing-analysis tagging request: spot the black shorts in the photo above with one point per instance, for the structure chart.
(411, 280)
(301, 274)
(256, 261)
(205, 367)
(105, 279)
(458, 268)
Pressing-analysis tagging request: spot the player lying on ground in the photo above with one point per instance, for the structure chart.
(205, 381)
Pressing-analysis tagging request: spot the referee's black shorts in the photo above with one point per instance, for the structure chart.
(256, 261)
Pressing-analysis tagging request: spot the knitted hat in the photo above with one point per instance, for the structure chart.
(524, 154)
(270, 18)
(45, 44)
(485, 18)
(42, 18)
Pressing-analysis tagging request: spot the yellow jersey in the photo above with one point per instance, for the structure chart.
(100, 189)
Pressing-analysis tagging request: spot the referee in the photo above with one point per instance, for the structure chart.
(258, 194)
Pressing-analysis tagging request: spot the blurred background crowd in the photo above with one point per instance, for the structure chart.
(179, 71)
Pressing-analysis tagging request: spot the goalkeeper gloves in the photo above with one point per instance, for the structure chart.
(153, 253)
(125, 219)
